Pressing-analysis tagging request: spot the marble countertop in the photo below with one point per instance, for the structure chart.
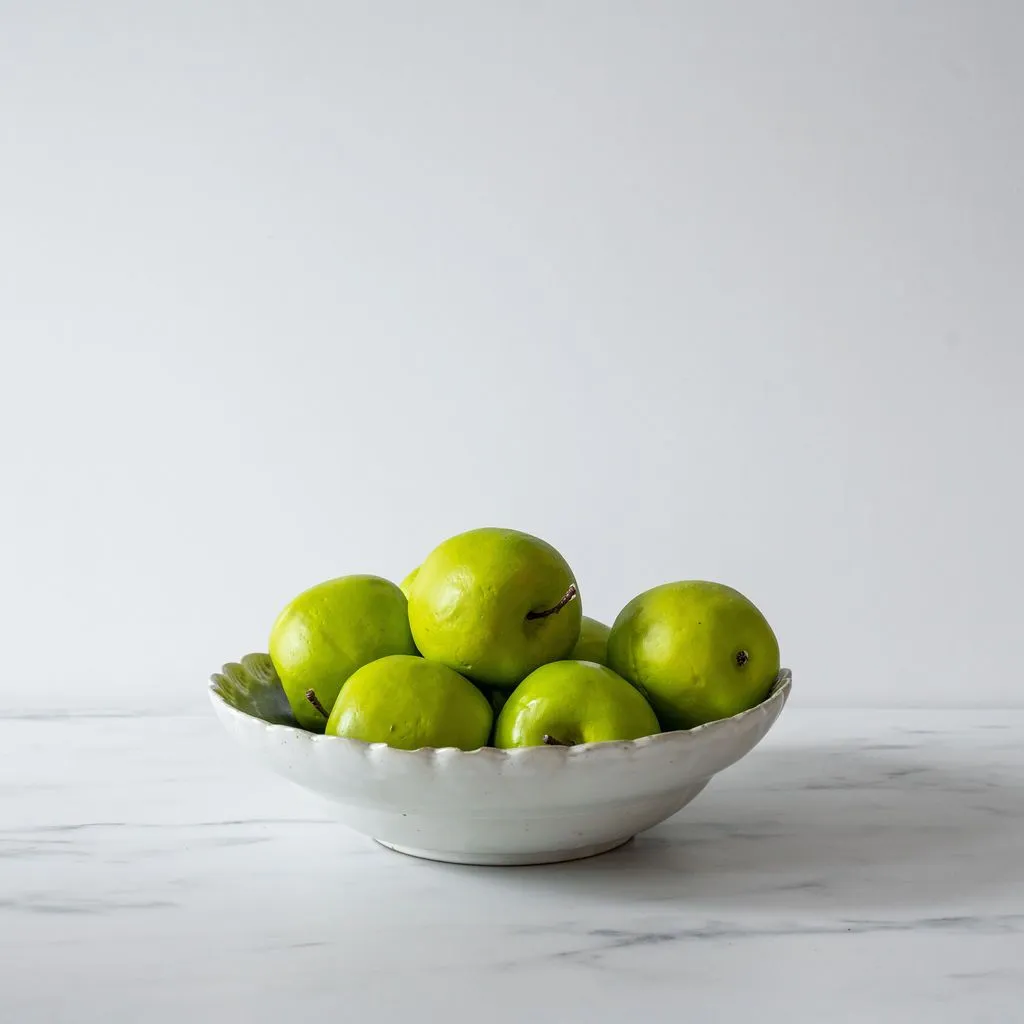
(856, 866)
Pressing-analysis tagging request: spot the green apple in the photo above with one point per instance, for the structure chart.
(570, 702)
(701, 651)
(409, 703)
(329, 631)
(494, 605)
(593, 642)
(406, 585)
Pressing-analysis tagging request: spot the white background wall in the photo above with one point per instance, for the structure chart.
(726, 290)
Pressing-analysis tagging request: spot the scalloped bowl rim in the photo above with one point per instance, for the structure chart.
(779, 695)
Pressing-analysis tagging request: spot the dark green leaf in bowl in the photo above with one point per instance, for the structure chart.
(252, 686)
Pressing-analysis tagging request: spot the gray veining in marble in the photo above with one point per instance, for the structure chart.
(857, 866)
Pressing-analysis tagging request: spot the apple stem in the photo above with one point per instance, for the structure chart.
(315, 701)
(552, 742)
(566, 598)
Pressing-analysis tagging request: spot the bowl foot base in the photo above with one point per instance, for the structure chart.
(507, 859)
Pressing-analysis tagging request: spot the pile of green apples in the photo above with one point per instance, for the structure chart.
(486, 644)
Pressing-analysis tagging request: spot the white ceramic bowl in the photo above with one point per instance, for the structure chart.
(534, 805)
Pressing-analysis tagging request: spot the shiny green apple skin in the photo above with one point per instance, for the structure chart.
(593, 642)
(409, 703)
(329, 631)
(573, 702)
(406, 585)
(700, 650)
(494, 604)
